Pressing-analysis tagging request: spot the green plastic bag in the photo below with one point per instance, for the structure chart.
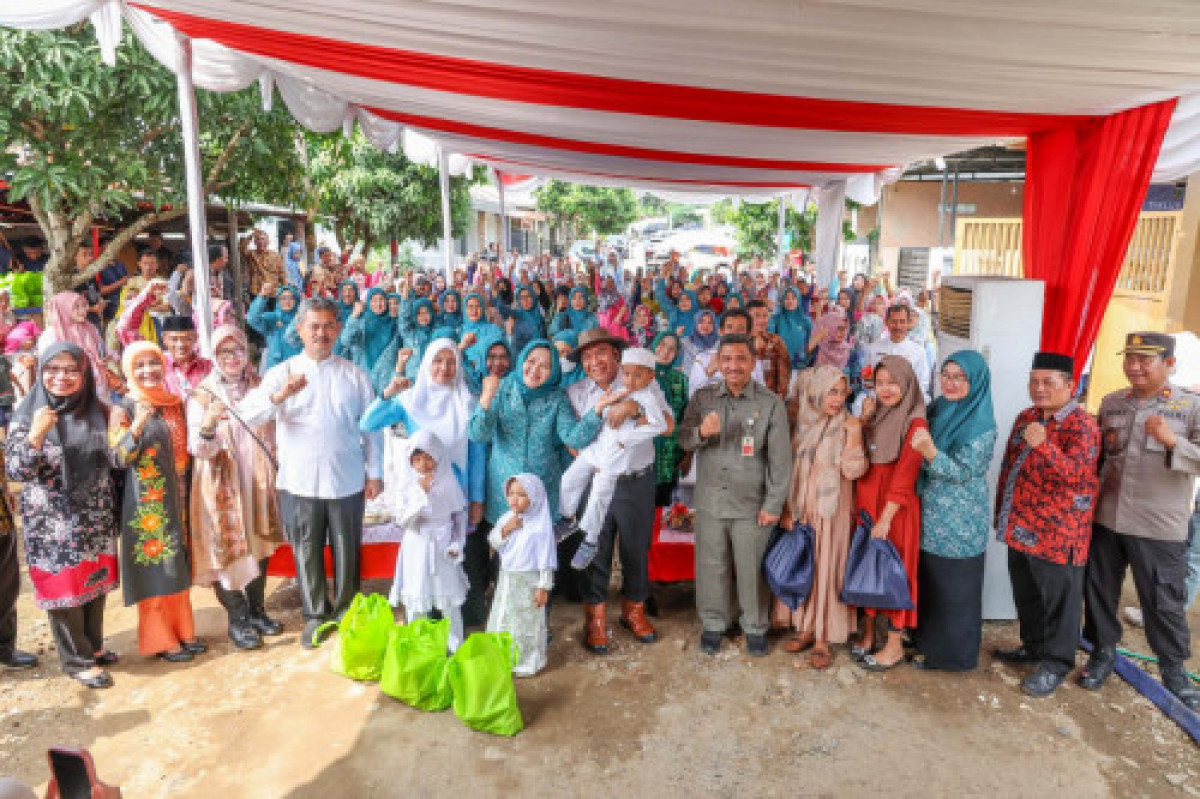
(362, 637)
(485, 698)
(414, 667)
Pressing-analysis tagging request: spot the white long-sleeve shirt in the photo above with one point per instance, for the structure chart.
(639, 441)
(322, 453)
(911, 351)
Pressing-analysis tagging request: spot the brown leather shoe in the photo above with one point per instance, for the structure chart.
(633, 618)
(595, 631)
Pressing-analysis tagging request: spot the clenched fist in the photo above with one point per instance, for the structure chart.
(710, 425)
(44, 420)
(1035, 434)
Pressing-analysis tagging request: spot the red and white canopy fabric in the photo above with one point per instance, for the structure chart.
(753, 97)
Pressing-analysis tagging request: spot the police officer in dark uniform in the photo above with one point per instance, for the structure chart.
(1150, 458)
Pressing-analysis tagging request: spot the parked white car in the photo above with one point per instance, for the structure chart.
(582, 251)
(700, 249)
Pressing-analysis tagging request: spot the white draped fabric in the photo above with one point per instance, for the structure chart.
(755, 97)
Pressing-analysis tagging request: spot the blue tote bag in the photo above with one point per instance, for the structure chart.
(875, 575)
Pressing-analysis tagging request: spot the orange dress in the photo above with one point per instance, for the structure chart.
(897, 482)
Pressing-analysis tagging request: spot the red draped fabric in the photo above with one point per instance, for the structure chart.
(1084, 187)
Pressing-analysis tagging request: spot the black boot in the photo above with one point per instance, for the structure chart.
(1100, 666)
(243, 635)
(1176, 680)
(256, 591)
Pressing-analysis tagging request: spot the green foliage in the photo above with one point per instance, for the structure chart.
(587, 208)
(758, 226)
(374, 196)
(87, 142)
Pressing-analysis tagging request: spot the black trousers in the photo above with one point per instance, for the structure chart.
(10, 589)
(78, 634)
(628, 528)
(1049, 599)
(477, 563)
(1160, 576)
(311, 524)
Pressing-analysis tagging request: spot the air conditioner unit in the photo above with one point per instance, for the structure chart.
(1002, 319)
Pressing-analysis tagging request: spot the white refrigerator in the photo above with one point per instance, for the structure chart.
(1002, 319)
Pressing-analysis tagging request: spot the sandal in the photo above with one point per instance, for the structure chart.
(821, 658)
(94, 678)
(869, 663)
(798, 642)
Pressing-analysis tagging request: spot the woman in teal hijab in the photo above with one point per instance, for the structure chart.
(450, 315)
(416, 331)
(526, 315)
(370, 338)
(955, 514)
(529, 422)
(792, 324)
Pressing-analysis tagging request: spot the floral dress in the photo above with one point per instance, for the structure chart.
(955, 507)
(71, 552)
(154, 548)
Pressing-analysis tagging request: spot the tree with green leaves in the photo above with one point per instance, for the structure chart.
(89, 144)
(587, 208)
(373, 196)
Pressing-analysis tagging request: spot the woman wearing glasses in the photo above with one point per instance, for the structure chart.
(57, 448)
(955, 514)
(236, 525)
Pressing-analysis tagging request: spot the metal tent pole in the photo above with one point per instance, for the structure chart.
(444, 188)
(780, 256)
(504, 234)
(197, 225)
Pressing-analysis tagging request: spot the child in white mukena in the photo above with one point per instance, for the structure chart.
(606, 459)
(432, 511)
(524, 539)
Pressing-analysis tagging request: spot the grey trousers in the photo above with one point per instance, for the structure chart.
(311, 524)
(78, 634)
(729, 553)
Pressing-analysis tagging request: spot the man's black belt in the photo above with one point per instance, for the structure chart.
(636, 474)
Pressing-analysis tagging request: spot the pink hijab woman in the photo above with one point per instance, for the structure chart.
(66, 320)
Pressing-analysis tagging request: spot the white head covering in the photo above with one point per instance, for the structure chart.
(446, 494)
(638, 356)
(443, 410)
(531, 546)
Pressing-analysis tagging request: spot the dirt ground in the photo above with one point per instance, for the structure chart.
(662, 720)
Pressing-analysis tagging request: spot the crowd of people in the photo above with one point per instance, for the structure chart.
(535, 415)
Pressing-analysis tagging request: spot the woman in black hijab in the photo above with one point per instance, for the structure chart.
(57, 447)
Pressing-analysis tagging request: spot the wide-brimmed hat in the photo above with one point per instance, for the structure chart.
(596, 335)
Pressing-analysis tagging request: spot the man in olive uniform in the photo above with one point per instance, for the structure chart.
(738, 429)
(1150, 457)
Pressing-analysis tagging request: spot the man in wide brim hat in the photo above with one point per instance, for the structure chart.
(593, 336)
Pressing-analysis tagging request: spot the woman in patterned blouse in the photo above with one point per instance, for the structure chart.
(955, 514)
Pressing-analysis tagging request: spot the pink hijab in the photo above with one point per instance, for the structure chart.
(62, 326)
(830, 352)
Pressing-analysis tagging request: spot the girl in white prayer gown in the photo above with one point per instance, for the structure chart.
(431, 509)
(524, 538)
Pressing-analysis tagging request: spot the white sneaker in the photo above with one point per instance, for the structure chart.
(1134, 616)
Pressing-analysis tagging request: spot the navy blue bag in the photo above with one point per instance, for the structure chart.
(788, 564)
(874, 572)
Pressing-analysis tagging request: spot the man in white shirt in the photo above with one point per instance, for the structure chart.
(326, 466)
(706, 369)
(897, 342)
(629, 524)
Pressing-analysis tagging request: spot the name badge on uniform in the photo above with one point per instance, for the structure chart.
(747, 446)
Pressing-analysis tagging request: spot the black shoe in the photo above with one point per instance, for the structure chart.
(180, 655)
(1099, 668)
(244, 635)
(1015, 656)
(195, 646)
(710, 642)
(756, 645)
(264, 624)
(19, 660)
(309, 638)
(1176, 680)
(109, 658)
(1043, 682)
